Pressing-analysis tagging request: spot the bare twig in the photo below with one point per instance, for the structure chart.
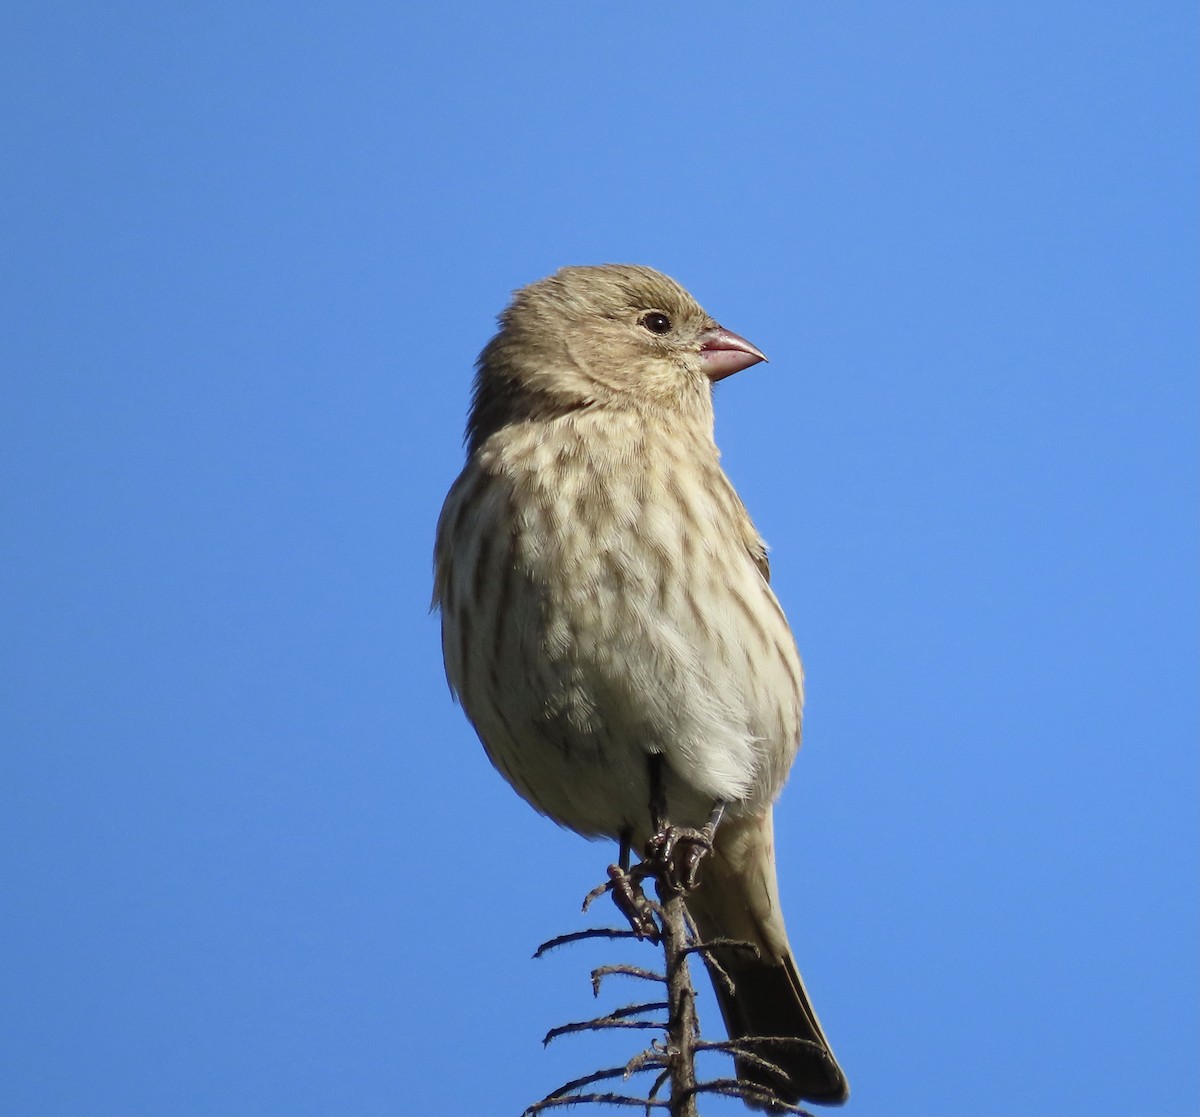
(750, 1093)
(600, 1023)
(591, 1099)
(580, 936)
(601, 972)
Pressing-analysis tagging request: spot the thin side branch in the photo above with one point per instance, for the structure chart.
(596, 1099)
(601, 972)
(750, 1093)
(580, 936)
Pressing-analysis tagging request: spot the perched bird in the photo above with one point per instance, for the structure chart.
(607, 622)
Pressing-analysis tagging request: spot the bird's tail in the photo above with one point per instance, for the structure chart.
(738, 899)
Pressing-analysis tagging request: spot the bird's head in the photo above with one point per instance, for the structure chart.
(616, 335)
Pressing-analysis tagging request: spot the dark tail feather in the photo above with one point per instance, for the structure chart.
(769, 1001)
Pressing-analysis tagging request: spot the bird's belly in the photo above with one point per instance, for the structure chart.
(595, 672)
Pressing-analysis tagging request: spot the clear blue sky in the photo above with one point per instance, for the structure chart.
(252, 858)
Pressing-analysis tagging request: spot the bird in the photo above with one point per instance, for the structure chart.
(608, 623)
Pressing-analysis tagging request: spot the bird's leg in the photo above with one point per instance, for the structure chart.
(658, 792)
(626, 845)
(626, 888)
(673, 853)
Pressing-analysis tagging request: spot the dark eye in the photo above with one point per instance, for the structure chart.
(656, 322)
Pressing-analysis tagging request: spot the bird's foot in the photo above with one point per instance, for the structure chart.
(626, 888)
(673, 856)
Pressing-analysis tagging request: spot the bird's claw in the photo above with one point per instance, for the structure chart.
(673, 856)
(626, 888)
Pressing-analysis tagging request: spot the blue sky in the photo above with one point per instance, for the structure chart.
(254, 861)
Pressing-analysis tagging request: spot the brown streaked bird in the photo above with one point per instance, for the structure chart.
(607, 622)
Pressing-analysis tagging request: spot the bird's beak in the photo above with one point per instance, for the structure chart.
(723, 353)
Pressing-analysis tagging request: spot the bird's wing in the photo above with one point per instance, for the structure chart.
(758, 554)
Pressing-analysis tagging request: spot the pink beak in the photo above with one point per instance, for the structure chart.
(723, 353)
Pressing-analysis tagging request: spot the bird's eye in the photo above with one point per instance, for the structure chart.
(656, 322)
